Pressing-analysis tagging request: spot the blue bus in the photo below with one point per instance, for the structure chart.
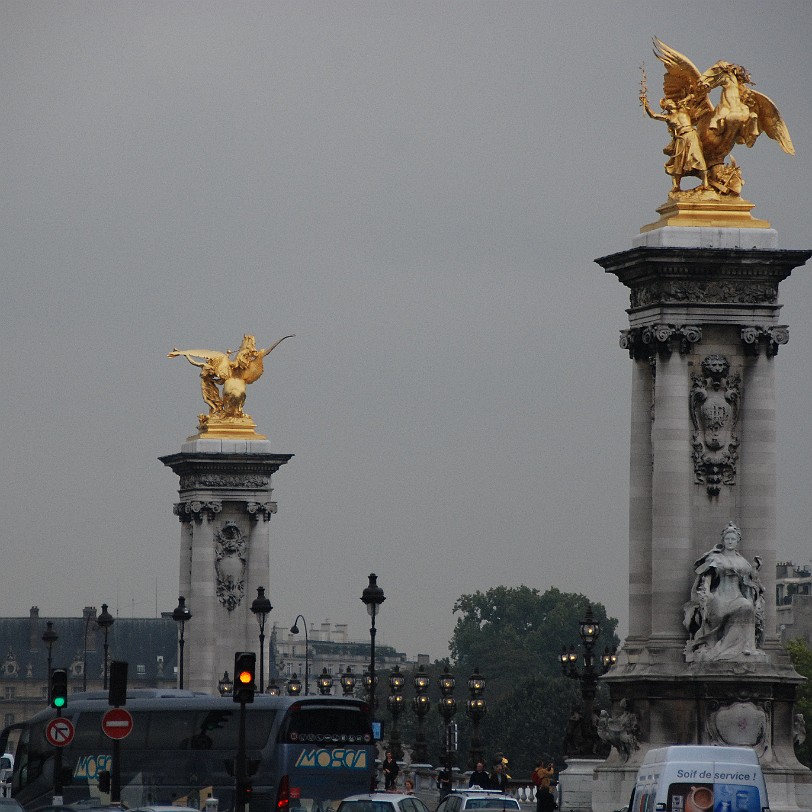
(304, 753)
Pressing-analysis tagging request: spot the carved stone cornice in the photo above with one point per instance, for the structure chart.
(194, 509)
(659, 339)
(201, 471)
(754, 336)
(704, 276)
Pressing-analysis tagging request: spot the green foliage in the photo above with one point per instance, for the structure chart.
(801, 656)
(514, 636)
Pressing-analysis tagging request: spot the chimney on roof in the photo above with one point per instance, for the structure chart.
(33, 629)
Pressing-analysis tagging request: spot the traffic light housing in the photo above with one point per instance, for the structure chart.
(117, 693)
(245, 666)
(244, 792)
(59, 688)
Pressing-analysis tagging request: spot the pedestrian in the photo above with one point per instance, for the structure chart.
(541, 777)
(444, 783)
(390, 772)
(498, 778)
(408, 787)
(479, 777)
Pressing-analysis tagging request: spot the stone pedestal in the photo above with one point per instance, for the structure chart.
(575, 784)
(225, 509)
(703, 337)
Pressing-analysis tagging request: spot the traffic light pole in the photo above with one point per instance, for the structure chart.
(57, 801)
(115, 773)
(240, 775)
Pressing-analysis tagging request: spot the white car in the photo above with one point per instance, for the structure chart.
(461, 800)
(382, 802)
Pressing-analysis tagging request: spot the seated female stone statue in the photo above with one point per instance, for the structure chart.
(725, 616)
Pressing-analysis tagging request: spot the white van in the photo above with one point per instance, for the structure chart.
(697, 778)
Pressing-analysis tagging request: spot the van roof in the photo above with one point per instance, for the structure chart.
(700, 752)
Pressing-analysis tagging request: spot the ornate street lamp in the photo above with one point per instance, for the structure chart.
(373, 597)
(225, 685)
(261, 607)
(49, 637)
(181, 615)
(90, 614)
(104, 621)
(273, 689)
(294, 629)
(476, 708)
(294, 686)
(585, 741)
(348, 682)
(396, 702)
(325, 683)
(420, 705)
(448, 707)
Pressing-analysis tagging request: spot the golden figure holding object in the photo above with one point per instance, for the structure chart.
(702, 136)
(226, 418)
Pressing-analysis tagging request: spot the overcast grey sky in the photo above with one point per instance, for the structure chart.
(416, 189)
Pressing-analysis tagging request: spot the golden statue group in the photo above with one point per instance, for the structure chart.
(703, 134)
(218, 369)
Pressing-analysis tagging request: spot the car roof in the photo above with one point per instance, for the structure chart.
(378, 796)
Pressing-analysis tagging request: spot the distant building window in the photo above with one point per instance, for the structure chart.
(10, 691)
(141, 670)
(8, 719)
(43, 692)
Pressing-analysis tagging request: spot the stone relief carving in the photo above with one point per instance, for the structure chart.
(186, 511)
(725, 614)
(772, 337)
(703, 292)
(229, 551)
(659, 339)
(714, 406)
(261, 509)
(201, 479)
(10, 666)
(743, 723)
(621, 731)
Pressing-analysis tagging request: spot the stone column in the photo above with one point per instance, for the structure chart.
(703, 334)
(224, 509)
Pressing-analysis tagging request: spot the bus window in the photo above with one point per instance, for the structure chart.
(325, 723)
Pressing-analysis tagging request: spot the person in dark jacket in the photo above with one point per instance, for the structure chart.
(479, 777)
(390, 771)
(498, 778)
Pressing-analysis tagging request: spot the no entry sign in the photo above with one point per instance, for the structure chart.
(117, 723)
(59, 732)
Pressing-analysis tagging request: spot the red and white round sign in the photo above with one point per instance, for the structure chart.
(59, 732)
(117, 723)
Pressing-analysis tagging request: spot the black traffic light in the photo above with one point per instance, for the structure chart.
(117, 694)
(245, 666)
(59, 688)
(244, 792)
(104, 781)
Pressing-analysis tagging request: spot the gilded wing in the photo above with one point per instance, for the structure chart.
(770, 121)
(218, 361)
(682, 79)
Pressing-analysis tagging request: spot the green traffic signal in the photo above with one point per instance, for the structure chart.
(59, 688)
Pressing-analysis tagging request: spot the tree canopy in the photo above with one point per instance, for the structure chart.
(801, 656)
(514, 636)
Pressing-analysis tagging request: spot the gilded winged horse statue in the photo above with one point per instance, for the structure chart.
(703, 134)
(219, 369)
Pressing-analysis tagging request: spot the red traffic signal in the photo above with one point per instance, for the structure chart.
(245, 666)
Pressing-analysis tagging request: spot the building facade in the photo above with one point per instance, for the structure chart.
(793, 601)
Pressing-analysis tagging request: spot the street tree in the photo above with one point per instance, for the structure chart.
(801, 656)
(514, 636)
